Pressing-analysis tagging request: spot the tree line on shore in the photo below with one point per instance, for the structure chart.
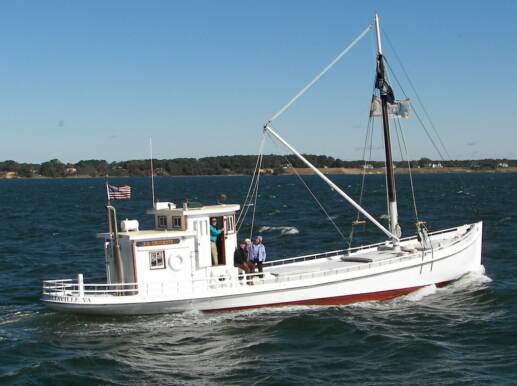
(219, 165)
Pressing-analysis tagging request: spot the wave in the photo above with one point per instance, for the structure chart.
(284, 230)
(421, 293)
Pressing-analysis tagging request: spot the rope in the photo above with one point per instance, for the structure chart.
(245, 205)
(416, 113)
(398, 127)
(311, 193)
(256, 196)
(369, 135)
(417, 96)
(423, 125)
(316, 199)
(323, 72)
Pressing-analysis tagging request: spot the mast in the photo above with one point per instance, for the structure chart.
(152, 169)
(386, 95)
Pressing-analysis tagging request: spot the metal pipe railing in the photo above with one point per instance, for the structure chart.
(67, 287)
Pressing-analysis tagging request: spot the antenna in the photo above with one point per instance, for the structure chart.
(152, 169)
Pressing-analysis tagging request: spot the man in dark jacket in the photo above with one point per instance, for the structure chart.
(240, 258)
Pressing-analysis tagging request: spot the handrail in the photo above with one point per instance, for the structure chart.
(348, 250)
(67, 287)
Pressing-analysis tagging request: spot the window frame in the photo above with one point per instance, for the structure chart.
(157, 255)
(175, 224)
(229, 223)
(158, 221)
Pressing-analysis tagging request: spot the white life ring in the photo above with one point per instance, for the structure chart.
(176, 263)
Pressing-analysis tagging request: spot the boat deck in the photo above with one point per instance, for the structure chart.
(329, 264)
(356, 258)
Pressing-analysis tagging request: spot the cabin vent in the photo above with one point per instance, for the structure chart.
(129, 225)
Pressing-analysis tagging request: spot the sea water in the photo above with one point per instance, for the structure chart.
(463, 334)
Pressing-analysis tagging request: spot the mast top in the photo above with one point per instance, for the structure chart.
(378, 33)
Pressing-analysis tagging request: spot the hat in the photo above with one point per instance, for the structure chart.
(259, 237)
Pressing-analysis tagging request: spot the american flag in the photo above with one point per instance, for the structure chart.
(119, 192)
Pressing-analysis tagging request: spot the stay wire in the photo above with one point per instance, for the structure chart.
(244, 211)
(367, 140)
(323, 72)
(398, 128)
(256, 196)
(428, 116)
(322, 208)
(369, 135)
(416, 114)
(424, 126)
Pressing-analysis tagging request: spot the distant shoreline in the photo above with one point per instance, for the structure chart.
(270, 164)
(294, 171)
(443, 170)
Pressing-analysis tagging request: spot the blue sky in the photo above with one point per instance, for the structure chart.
(96, 79)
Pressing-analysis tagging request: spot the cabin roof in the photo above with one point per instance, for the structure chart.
(151, 234)
(206, 210)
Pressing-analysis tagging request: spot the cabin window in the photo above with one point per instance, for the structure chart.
(162, 221)
(229, 224)
(157, 259)
(176, 222)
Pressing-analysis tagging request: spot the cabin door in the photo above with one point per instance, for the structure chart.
(202, 229)
(221, 245)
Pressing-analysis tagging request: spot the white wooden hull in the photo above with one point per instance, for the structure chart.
(361, 282)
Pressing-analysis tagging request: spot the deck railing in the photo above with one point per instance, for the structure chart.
(69, 288)
(78, 288)
(343, 251)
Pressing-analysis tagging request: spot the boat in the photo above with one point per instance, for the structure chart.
(170, 268)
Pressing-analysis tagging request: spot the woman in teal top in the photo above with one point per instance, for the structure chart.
(214, 232)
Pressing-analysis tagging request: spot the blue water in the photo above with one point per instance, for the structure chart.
(463, 334)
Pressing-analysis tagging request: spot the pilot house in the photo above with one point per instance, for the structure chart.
(177, 250)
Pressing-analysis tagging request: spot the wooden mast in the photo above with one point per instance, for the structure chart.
(385, 94)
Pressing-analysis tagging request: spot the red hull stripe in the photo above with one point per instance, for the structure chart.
(336, 300)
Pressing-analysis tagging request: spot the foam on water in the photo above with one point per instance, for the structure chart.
(421, 293)
(284, 230)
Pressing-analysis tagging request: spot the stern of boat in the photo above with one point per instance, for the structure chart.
(70, 294)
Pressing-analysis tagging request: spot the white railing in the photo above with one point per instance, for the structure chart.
(70, 288)
(343, 251)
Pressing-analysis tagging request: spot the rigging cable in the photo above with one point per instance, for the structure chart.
(251, 189)
(323, 72)
(416, 113)
(256, 196)
(398, 127)
(417, 96)
(315, 198)
(367, 140)
(317, 201)
(369, 134)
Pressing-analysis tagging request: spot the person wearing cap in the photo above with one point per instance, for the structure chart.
(240, 258)
(258, 254)
(214, 233)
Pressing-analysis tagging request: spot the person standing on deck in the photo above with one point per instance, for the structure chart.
(258, 254)
(214, 233)
(240, 259)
